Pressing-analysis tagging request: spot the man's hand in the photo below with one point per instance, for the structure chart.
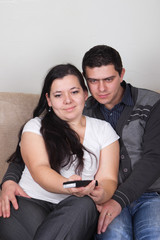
(108, 212)
(9, 191)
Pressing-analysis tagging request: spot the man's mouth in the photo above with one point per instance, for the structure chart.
(103, 95)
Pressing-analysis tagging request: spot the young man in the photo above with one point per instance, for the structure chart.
(134, 210)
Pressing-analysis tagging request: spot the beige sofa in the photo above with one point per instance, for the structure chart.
(15, 110)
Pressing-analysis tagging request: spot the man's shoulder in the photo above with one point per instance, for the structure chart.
(92, 109)
(144, 96)
(91, 102)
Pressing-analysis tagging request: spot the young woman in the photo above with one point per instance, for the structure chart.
(61, 144)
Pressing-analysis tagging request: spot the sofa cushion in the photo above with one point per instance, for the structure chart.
(15, 110)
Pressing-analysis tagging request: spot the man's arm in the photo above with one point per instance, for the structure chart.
(10, 188)
(147, 169)
(145, 173)
(13, 172)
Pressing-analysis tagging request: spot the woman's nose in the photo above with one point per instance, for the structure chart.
(67, 99)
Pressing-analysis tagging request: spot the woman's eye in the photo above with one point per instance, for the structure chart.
(57, 96)
(75, 92)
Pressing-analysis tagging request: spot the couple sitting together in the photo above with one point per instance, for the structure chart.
(111, 138)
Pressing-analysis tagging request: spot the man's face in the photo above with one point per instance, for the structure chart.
(104, 84)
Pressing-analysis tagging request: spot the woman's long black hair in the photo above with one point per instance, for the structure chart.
(62, 143)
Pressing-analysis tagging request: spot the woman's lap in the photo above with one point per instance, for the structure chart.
(74, 216)
(23, 223)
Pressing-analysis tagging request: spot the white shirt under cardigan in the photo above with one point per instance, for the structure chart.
(98, 134)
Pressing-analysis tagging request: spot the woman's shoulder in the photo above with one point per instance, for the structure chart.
(96, 121)
(34, 122)
(99, 126)
(33, 125)
(100, 131)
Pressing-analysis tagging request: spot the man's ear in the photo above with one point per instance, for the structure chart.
(48, 100)
(122, 74)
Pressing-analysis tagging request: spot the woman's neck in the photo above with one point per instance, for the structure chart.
(79, 123)
(79, 127)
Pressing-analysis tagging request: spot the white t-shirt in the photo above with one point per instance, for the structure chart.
(98, 134)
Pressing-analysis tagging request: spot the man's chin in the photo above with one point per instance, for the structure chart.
(102, 100)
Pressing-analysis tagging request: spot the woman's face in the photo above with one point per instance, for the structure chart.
(67, 98)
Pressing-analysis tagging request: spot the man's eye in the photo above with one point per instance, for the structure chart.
(93, 80)
(109, 79)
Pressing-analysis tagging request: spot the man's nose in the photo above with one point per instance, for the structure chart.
(101, 85)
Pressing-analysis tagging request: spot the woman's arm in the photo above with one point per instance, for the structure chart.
(35, 156)
(107, 174)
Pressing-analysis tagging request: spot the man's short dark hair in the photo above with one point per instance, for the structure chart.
(102, 55)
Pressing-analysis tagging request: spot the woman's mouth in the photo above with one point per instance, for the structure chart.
(70, 109)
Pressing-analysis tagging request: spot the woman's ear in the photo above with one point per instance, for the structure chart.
(48, 100)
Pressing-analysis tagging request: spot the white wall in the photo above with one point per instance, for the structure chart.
(37, 34)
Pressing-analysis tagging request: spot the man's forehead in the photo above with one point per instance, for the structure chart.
(100, 72)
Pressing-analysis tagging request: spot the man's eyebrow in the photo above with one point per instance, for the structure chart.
(101, 79)
(92, 78)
